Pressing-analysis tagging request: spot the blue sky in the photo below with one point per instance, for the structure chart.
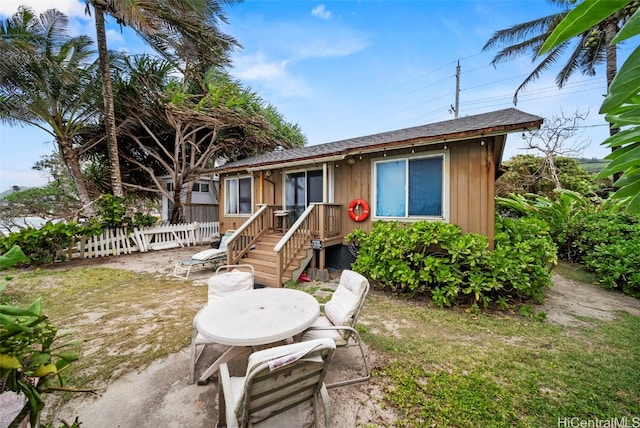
(343, 69)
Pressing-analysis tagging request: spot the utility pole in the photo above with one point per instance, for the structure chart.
(457, 106)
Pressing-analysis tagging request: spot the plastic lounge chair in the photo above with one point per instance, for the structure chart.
(281, 388)
(340, 318)
(182, 269)
(235, 278)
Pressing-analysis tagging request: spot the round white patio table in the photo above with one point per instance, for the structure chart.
(255, 317)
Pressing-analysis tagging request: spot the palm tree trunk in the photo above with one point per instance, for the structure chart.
(70, 159)
(611, 30)
(107, 90)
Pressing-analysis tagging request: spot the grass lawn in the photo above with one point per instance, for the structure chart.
(441, 368)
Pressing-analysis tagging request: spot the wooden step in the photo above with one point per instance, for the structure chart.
(262, 255)
(263, 259)
(260, 265)
(269, 279)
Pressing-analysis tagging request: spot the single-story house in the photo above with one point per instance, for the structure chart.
(291, 207)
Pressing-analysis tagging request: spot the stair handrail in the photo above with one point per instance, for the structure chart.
(292, 242)
(237, 248)
(294, 228)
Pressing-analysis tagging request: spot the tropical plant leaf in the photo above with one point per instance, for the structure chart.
(631, 116)
(628, 178)
(622, 159)
(634, 204)
(36, 307)
(625, 85)
(630, 29)
(623, 137)
(627, 159)
(581, 18)
(628, 190)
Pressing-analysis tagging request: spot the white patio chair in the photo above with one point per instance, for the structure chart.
(282, 387)
(213, 256)
(227, 279)
(340, 318)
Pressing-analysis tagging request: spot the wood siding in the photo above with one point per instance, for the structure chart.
(471, 184)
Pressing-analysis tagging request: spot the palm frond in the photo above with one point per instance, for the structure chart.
(531, 29)
(570, 66)
(545, 64)
(529, 46)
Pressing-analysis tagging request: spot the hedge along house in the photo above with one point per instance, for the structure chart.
(294, 207)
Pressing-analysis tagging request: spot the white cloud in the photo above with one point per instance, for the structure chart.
(256, 67)
(114, 36)
(337, 44)
(321, 12)
(272, 76)
(71, 8)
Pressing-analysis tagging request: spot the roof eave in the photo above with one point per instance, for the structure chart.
(414, 142)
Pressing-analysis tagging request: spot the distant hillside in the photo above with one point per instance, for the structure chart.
(593, 165)
(12, 190)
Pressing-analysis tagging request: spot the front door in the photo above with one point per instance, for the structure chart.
(301, 189)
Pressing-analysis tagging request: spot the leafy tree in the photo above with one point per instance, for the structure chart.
(591, 45)
(174, 129)
(48, 80)
(622, 103)
(49, 201)
(159, 22)
(530, 174)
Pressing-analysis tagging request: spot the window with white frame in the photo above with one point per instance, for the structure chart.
(410, 187)
(200, 187)
(238, 195)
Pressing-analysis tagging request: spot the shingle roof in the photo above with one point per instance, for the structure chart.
(501, 121)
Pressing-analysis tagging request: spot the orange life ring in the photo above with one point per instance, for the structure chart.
(353, 206)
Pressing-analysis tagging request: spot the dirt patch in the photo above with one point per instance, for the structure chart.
(573, 303)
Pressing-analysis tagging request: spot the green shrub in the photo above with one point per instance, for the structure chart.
(617, 266)
(603, 228)
(112, 212)
(560, 213)
(597, 233)
(47, 244)
(437, 259)
(609, 245)
(524, 257)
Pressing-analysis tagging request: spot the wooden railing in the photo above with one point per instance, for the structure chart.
(327, 221)
(318, 221)
(296, 238)
(249, 232)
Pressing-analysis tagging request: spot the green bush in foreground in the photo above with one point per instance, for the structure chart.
(32, 361)
(437, 259)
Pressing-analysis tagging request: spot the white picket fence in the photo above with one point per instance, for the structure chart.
(114, 242)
